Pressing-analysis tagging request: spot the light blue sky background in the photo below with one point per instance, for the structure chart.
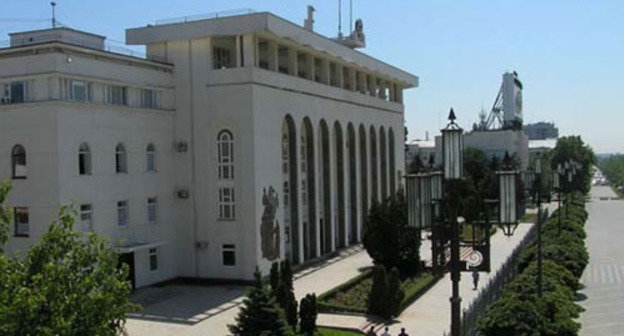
(568, 53)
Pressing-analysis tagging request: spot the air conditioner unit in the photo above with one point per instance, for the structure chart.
(182, 147)
(183, 193)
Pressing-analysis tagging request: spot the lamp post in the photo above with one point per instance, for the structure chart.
(537, 186)
(557, 185)
(507, 215)
(452, 147)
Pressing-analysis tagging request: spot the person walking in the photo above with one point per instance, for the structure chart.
(371, 332)
(403, 333)
(475, 278)
(386, 333)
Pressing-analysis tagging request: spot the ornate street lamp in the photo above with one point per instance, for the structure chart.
(538, 180)
(452, 152)
(411, 193)
(508, 220)
(452, 149)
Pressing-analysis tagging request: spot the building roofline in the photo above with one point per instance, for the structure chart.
(86, 50)
(263, 21)
(57, 28)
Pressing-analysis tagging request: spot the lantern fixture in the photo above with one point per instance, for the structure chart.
(452, 148)
(507, 203)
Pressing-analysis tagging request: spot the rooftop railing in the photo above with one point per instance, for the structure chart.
(214, 15)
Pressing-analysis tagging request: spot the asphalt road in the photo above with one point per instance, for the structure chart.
(604, 276)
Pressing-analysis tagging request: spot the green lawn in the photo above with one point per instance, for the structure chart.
(354, 298)
(321, 331)
(528, 218)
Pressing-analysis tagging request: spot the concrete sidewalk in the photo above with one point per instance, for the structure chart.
(430, 314)
(316, 279)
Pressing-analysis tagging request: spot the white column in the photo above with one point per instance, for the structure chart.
(333, 190)
(292, 62)
(249, 50)
(339, 76)
(346, 192)
(318, 181)
(273, 57)
(358, 184)
(300, 176)
(353, 79)
(310, 65)
(325, 73)
(237, 57)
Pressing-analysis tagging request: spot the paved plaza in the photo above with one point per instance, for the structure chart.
(604, 276)
(207, 310)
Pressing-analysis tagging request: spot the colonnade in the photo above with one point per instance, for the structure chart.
(332, 173)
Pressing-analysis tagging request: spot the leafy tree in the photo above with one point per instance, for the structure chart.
(308, 313)
(285, 294)
(387, 237)
(67, 284)
(5, 213)
(511, 316)
(395, 292)
(260, 314)
(573, 148)
(379, 296)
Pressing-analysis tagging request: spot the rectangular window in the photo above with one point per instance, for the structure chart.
(149, 98)
(20, 217)
(122, 213)
(153, 259)
(79, 90)
(221, 58)
(86, 217)
(226, 203)
(229, 255)
(117, 95)
(18, 92)
(152, 210)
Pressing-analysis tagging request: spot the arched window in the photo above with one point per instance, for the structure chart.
(121, 159)
(84, 159)
(225, 155)
(150, 158)
(18, 162)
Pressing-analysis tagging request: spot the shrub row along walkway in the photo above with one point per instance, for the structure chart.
(430, 314)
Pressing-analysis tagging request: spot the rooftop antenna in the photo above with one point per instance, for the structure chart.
(53, 4)
(350, 16)
(340, 19)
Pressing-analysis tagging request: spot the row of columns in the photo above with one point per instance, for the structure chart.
(248, 52)
(340, 154)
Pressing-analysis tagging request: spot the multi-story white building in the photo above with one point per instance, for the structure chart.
(236, 142)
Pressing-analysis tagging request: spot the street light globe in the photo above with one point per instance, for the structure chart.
(452, 147)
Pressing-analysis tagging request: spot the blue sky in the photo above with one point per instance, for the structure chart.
(568, 53)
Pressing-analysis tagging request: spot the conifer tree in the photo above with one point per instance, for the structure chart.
(379, 294)
(286, 295)
(274, 277)
(260, 314)
(308, 313)
(395, 291)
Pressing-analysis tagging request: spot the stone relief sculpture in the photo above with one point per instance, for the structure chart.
(269, 227)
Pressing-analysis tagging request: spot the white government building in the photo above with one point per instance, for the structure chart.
(237, 141)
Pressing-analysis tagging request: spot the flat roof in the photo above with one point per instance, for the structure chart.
(56, 29)
(264, 21)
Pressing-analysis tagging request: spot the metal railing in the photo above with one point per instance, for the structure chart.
(492, 291)
(213, 15)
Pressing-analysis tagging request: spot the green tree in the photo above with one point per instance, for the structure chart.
(308, 313)
(379, 296)
(573, 148)
(260, 314)
(67, 284)
(285, 294)
(387, 237)
(274, 277)
(5, 213)
(395, 292)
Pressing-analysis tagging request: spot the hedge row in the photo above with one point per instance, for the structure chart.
(519, 310)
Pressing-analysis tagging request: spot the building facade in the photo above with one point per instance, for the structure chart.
(237, 142)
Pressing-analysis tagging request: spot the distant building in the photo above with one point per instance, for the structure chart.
(541, 131)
